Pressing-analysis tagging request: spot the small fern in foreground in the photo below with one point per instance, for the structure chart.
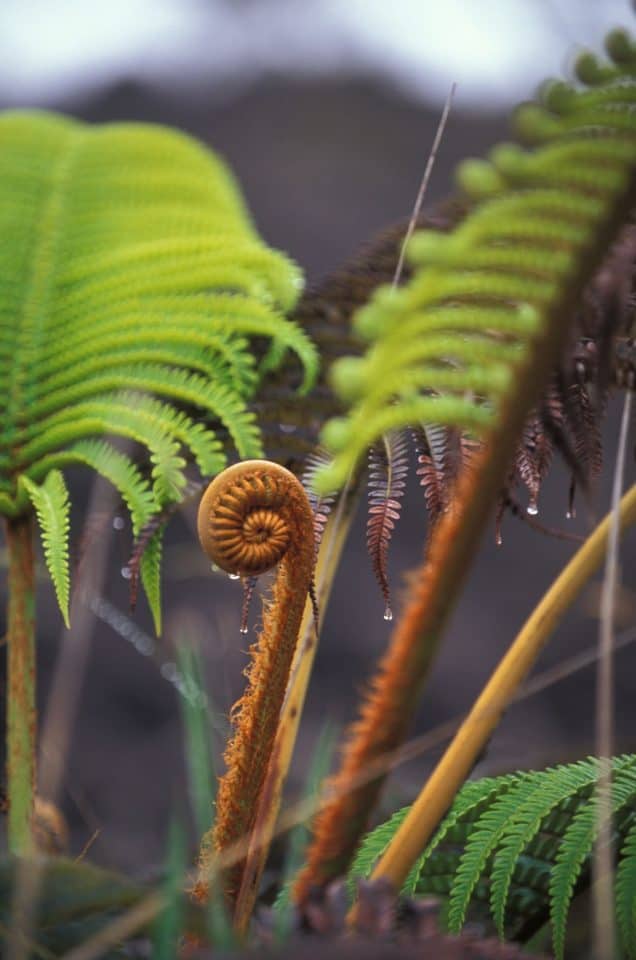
(517, 848)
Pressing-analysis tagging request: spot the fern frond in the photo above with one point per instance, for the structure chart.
(555, 787)
(52, 509)
(533, 219)
(576, 847)
(320, 506)
(626, 892)
(517, 847)
(137, 301)
(388, 466)
(115, 466)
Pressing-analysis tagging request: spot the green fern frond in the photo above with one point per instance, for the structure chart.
(134, 289)
(626, 892)
(484, 839)
(576, 847)
(515, 848)
(115, 466)
(150, 569)
(52, 509)
(482, 297)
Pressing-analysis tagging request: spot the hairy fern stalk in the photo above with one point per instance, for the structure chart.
(469, 344)
(514, 850)
(132, 281)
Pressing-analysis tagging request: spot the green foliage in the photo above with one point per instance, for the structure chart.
(75, 901)
(51, 504)
(516, 848)
(132, 283)
(446, 347)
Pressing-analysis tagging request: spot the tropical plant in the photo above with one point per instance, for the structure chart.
(517, 848)
(470, 343)
(481, 359)
(132, 283)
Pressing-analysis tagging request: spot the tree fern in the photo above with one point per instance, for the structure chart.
(132, 282)
(517, 847)
(446, 348)
(134, 289)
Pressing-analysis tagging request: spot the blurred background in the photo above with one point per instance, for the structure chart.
(326, 112)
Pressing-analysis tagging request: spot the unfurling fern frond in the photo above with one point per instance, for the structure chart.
(515, 849)
(448, 347)
(388, 467)
(133, 285)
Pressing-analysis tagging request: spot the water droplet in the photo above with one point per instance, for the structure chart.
(498, 539)
(288, 427)
(118, 523)
(532, 508)
(126, 573)
(169, 671)
(234, 576)
(570, 514)
(243, 629)
(388, 613)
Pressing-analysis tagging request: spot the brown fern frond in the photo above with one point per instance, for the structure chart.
(388, 467)
(321, 506)
(255, 515)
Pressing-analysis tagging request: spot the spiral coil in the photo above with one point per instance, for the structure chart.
(242, 523)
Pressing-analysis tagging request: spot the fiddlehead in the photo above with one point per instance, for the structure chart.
(253, 516)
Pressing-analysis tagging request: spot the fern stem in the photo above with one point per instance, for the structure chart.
(603, 854)
(327, 563)
(21, 715)
(394, 691)
(253, 516)
(438, 792)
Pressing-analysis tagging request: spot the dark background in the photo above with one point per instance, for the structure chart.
(324, 162)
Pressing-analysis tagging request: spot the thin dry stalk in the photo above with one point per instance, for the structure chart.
(603, 898)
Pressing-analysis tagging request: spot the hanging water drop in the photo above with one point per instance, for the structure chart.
(118, 523)
(388, 613)
(498, 538)
(532, 508)
(234, 576)
(126, 573)
(243, 629)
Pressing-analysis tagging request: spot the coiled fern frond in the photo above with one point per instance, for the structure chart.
(448, 347)
(515, 849)
(132, 281)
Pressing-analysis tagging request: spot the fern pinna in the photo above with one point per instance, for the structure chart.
(514, 850)
(132, 281)
(470, 343)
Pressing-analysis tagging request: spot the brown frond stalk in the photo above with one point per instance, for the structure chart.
(253, 516)
(21, 708)
(388, 708)
(458, 760)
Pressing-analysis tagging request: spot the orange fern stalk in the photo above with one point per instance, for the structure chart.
(253, 516)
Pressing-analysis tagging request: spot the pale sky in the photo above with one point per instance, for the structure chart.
(496, 50)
